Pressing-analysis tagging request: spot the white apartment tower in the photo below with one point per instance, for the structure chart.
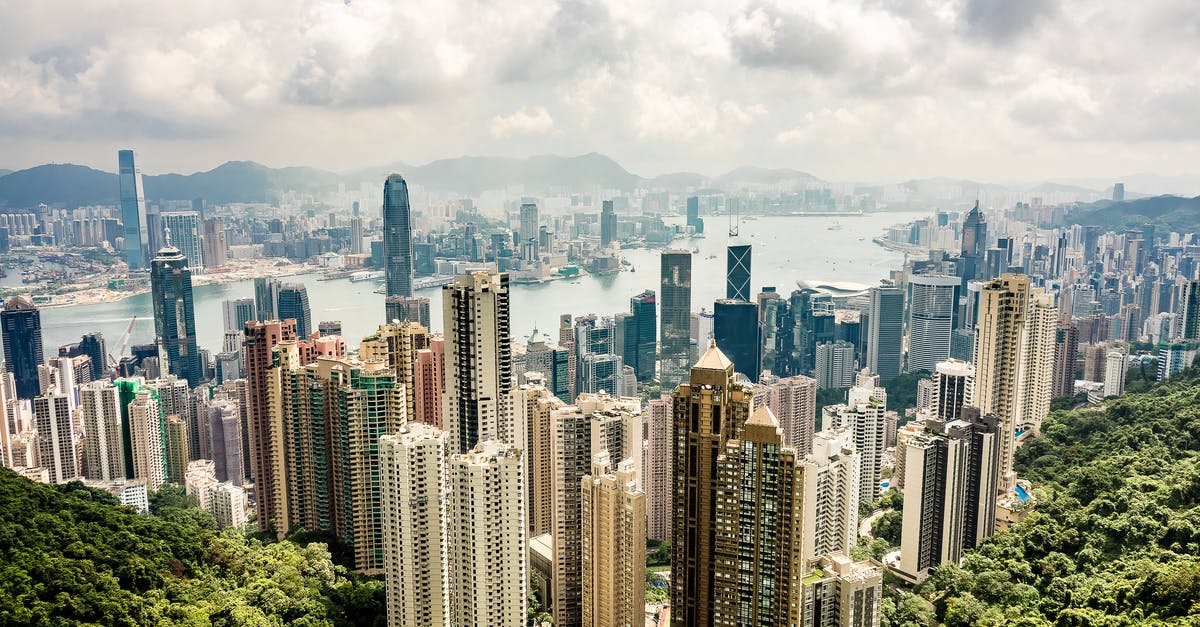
(55, 437)
(103, 449)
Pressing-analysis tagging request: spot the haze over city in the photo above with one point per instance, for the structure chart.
(991, 90)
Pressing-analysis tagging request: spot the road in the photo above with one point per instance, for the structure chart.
(865, 528)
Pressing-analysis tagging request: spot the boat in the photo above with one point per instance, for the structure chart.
(366, 275)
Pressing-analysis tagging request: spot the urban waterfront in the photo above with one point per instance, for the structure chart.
(786, 249)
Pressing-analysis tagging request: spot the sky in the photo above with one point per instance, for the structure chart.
(879, 90)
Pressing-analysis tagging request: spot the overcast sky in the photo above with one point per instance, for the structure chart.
(845, 89)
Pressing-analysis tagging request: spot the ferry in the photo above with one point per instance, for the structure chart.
(366, 275)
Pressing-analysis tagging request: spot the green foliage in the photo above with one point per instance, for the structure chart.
(655, 594)
(1115, 539)
(1141, 376)
(902, 391)
(72, 555)
(828, 396)
(887, 527)
(1068, 402)
(658, 553)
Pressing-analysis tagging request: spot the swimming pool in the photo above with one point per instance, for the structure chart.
(1021, 494)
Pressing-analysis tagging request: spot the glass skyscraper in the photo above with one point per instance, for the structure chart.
(22, 324)
(293, 303)
(397, 237)
(735, 330)
(133, 211)
(185, 235)
(737, 271)
(174, 316)
(676, 328)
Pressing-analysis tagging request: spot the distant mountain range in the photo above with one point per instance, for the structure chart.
(1172, 213)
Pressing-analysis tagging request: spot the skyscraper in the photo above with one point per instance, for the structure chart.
(237, 313)
(103, 458)
(146, 440)
(675, 331)
(933, 302)
(174, 317)
(265, 430)
(293, 304)
(608, 224)
(835, 365)
(184, 227)
(709, 411)
(176, 453)
(693, 214)
(92, 345)
(407, 309)
(645, 326)
(831, 498)
(658, 476)
(735, 330)
(266, 298)
(214, 243)
(55, 436)
(953, 387)
(885, 340)
(133, 211)
(613, 545)
(475, 319)
(974, 243)
(397, 237)
(737, 271)
(1066, 350)
(793, 400)
(22, 326)
(864, 416)
(529, 226)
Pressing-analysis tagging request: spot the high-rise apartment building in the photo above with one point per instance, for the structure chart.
(22, 331)
(183, 229)
(613, 545)
(932, 308)
(831, 494)
(407, 309)
(397, 237)
(1066, 351)
(1116, 363)
(842, 593)
(413, 482)
(793, 400)
(676, 315)
(103, 457)
(533, 404)
(708, 411)
(55, 437)
(293, 304)
(133, 211)
(486, 553)
(429, 370)
(225, 440)
(834, 365)
(566, 341)
(174, 316)
(659, 464)
(176, 452)
(737, 272)
(885, 339)
(478, 404)
(953, 388)
(146, 440)
(214, 243)
(264, 421)
(864, 416)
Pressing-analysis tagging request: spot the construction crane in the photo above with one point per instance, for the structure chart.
(112, 361)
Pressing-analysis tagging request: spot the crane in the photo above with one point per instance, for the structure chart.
(112, 361)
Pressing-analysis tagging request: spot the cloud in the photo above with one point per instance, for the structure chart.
(522, 122)
(1005, 20)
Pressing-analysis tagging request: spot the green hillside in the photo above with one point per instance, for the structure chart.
(1167, 213)
(70, 555)
(1116, 536)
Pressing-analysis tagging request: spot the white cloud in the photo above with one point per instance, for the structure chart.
(522, 122)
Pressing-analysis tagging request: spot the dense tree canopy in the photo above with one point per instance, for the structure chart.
(72, 555)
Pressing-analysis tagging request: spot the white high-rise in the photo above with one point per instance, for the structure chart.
(831, 494)
(953, 385)
(103, 448)
(932, 302)
(55, 437)
(414, 544)
(185, 235)
(864, 417)
(477, 401)
(485, 536)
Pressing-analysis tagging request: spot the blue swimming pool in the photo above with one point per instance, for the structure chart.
(1022, 494)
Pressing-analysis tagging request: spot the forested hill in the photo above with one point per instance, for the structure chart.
(71, 555)
(1115, 539)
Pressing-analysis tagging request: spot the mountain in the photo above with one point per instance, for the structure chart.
(1172, 213)
(62, 184)
(680, 181)
(753, 178)
(239, 181)
(4, 172)
(543, 173)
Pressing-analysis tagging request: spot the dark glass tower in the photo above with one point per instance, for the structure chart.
(293, 303)
(266, 299)
(676, 332)
(397, 237)
(645, 325)
(974, 243)
(885, 338)
(133, 211)
(735, 330)
(92, 345)
(608, 223)
(174, 315)
(737, 272)
(22, 324)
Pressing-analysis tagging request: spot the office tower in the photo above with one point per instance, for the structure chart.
(397, 237)
(613, 545)
(225, 440)
(176, 453)
(1014, 349)
(293, 304)
(644, 324)
(22, 326)
(974, 243)
(693, 214)
(1115, 365)
(92, 345)
(174, 317)
(182, 230)
(596, 423)
(266, 298)
(133, 212)
(758, 541)
(793, 401)
(735, 330)
(529, 226)
(953, 386)
(55, 437)
(486, 554)
(600, 373)
(842, 592)
(407, 309)
(237, 313)
(1118, 192)
(950, 473)
(103, 457)
(831, 498)
(1191, 311)
(608, 224)
(737, 272)
(478, 354)
(429, 371)
(264, 427)
(835, 365)
(146, 440)
(214, 243)
(1066, 349)
(659, 463)
(566, 341)
(414, 547)
(933, 302)
(886, 335)
(864, 416)
(708, 412)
